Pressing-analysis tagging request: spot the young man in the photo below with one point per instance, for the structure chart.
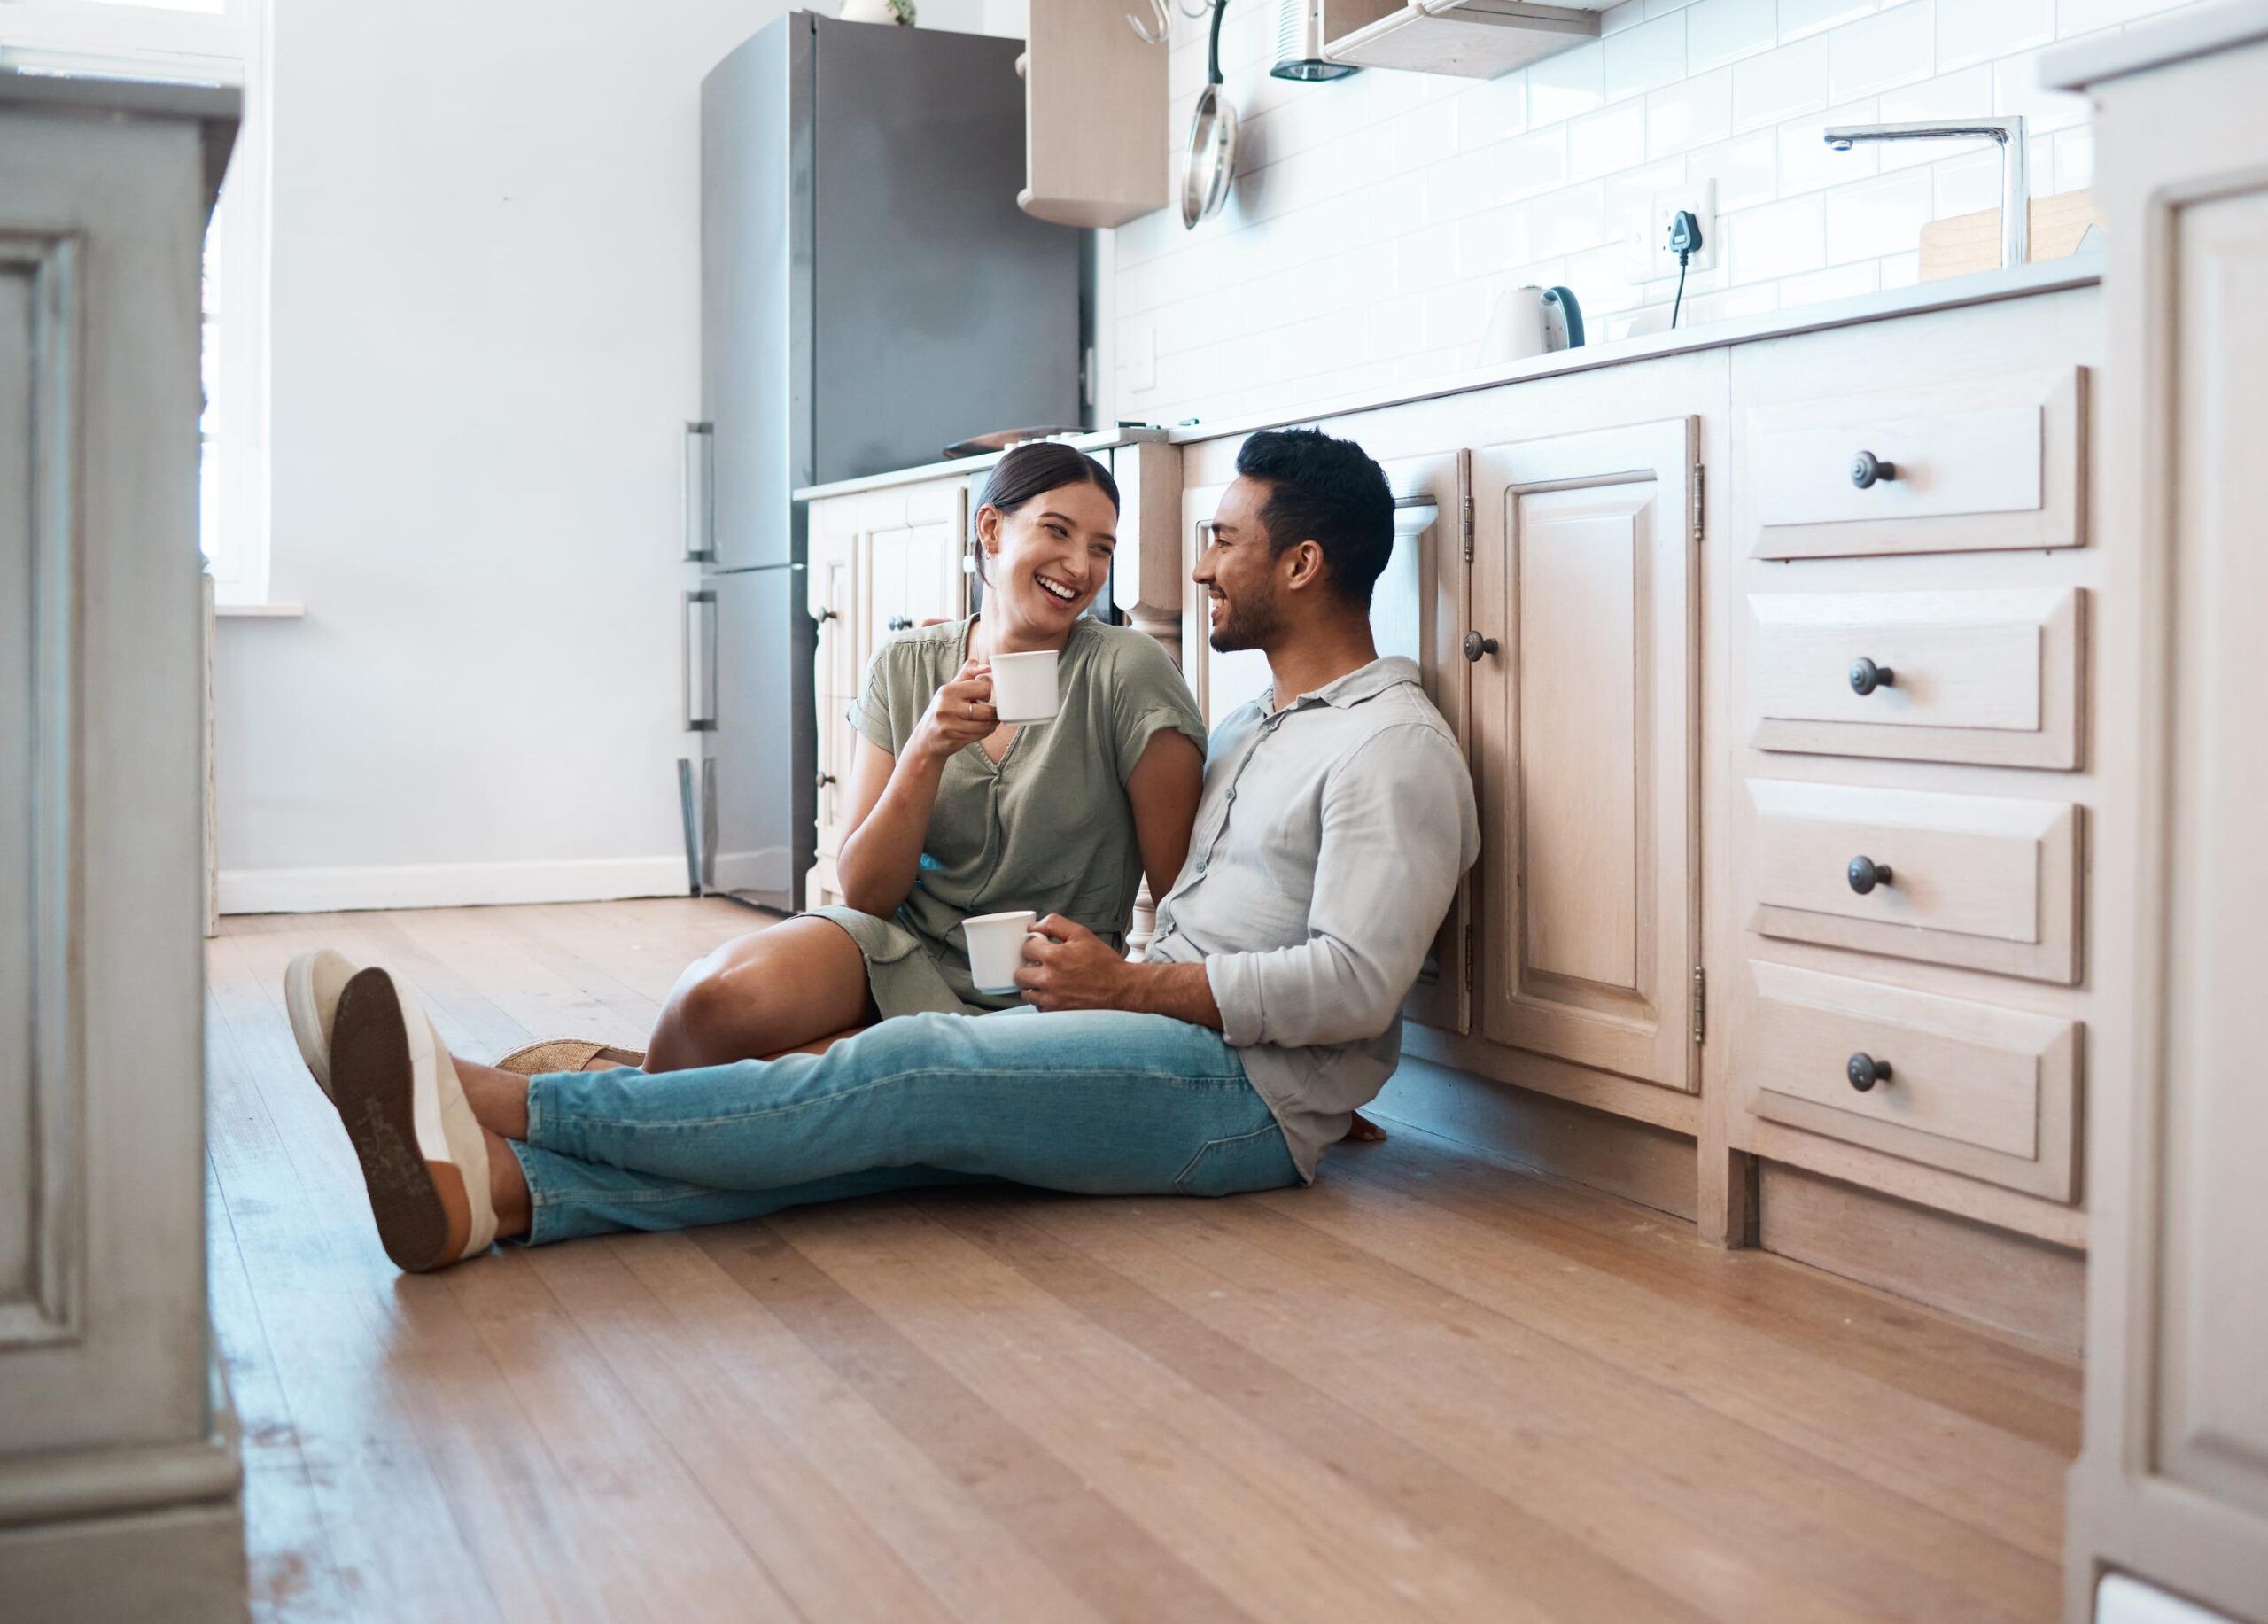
(1337, 817)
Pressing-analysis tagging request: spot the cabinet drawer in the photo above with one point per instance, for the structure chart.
(1972, 1088)
(1988, 676)
(1973, 464)
(1985, 884)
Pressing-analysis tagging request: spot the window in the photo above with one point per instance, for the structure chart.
(215, 40)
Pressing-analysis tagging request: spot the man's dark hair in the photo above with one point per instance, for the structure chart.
(1328, 492)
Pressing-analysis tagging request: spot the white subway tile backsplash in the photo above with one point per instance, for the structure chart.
(1801, 18)
(1489, 241)
(1492, 110)
(2085, 16)
(1721, 31)
(1979, 30)
(1425, 260)
(1875, 53)
(2016, 89)
(1879, 216)
(1780, 84)
(1570, 83)
(1965, 185)
(1779, 239)
(1424, 136)
(1692, 113)
(1745, 170)
(1456, 186)
(1569, 222)
(1644, 58)
(1601, 142)
(1533, 163)
(1374, 218)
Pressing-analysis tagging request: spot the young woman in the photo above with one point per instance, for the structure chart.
(953, 813)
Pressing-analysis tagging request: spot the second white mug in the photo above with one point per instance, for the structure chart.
(996, 948)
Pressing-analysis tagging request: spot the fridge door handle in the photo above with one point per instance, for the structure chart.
(699, 492)
(697, 664)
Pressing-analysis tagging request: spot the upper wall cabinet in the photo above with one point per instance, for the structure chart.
(1095, 146)
(1470, 39)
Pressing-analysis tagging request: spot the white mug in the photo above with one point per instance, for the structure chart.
(996, 948)
(1023, 686)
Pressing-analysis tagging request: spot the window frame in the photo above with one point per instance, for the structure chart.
(230, 47)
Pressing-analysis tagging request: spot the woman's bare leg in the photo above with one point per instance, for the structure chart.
(766, 993)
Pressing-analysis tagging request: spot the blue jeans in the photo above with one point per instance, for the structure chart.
(1097, 1102)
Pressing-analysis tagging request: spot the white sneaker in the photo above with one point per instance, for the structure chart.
(311, 989)
(424, 1160)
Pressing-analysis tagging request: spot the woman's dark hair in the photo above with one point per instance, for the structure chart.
(1033, 469)
(1328, 492)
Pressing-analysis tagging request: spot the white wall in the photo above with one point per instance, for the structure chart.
(1376, 216)
(486, 336)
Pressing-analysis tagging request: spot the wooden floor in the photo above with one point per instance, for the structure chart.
(1429, 1387)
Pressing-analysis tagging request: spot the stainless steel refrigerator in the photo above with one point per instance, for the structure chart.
(870, 293)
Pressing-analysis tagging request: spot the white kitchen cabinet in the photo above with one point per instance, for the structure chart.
(882, 562)
(2172, 1486)
(1095, 111)
(1585, 738)
(119, 1478)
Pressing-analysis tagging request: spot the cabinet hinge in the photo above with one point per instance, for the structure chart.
(1466, 520)
(1700, 485)
(1700, 1003)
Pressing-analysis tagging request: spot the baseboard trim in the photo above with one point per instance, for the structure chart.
(448, 885)
(1637, 1161)
(2030, 1288)
(184, 1564)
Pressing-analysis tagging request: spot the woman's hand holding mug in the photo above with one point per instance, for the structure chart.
(959, 714)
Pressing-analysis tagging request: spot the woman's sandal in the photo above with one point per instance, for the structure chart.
(556, 1054)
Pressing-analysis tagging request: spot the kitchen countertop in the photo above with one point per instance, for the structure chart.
(1953, 293)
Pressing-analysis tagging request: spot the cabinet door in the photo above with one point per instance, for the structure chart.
(2212, 1378)
(1584, 739)
(1420, 609)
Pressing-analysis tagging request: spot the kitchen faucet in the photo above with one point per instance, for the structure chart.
(2015, 180)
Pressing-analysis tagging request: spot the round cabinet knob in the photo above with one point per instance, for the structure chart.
(1476, 645)
(1866, 677)
(1865, 1071)
(1865, 873)
(900, 623)
(825, 615)
(823, 781)
(1866, 468)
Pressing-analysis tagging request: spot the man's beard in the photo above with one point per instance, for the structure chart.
(1247, 623)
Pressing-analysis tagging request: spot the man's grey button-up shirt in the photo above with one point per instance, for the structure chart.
(1329, 843)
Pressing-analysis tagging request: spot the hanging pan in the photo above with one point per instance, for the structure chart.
(1212, 161)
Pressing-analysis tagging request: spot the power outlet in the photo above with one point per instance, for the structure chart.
(1650, 257)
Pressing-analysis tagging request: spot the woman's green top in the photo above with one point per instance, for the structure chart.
(1048, 828)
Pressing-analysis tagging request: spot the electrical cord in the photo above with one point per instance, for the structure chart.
(1685, 237)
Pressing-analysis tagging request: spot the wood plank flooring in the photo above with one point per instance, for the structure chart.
(1429, 1387)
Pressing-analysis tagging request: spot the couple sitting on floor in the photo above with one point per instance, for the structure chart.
(1305, 862)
